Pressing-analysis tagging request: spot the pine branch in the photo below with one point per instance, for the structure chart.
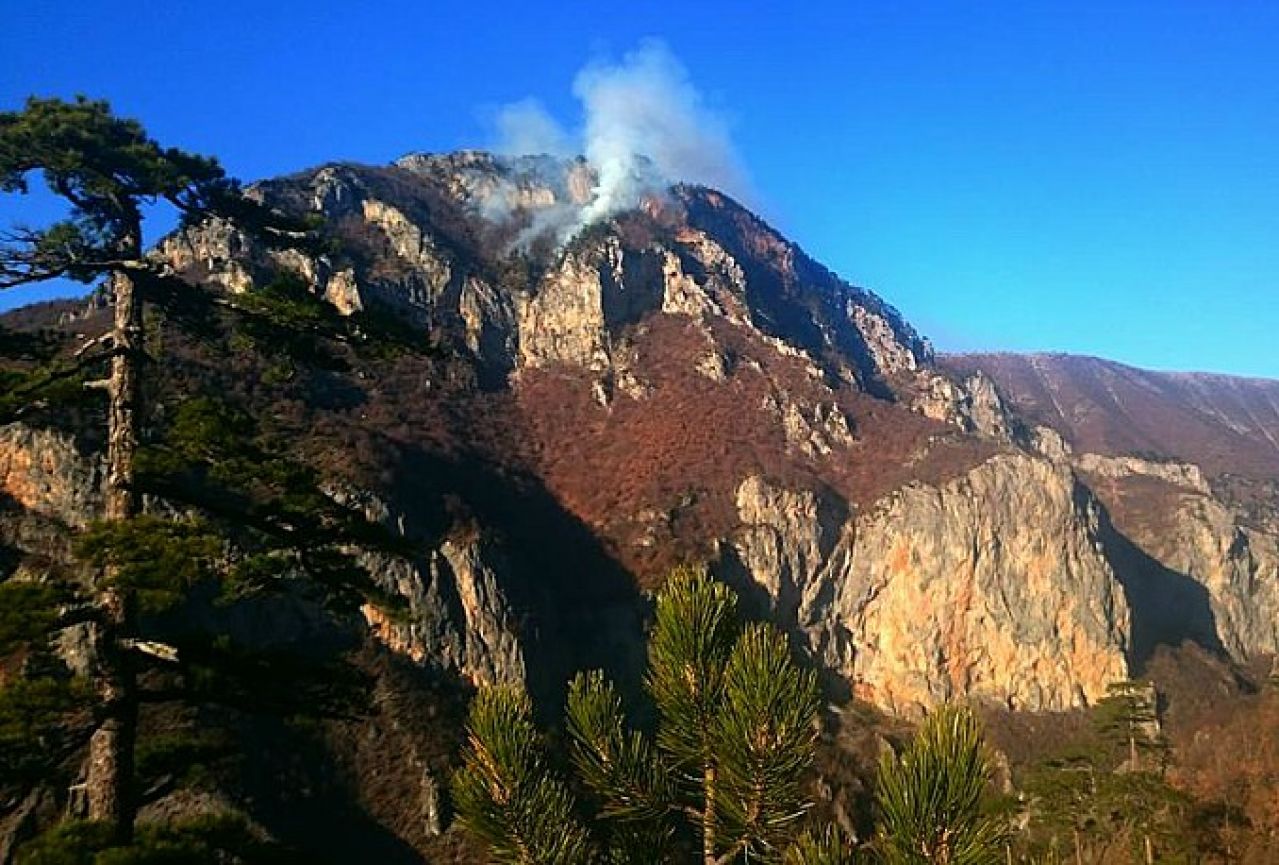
(619, 765)
(506, 794)
(696, 625)
(765, 737)
(152, 649)
(929, 798)
(70, 615)
(824, 847)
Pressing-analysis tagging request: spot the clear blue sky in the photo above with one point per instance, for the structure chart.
(1095, 177)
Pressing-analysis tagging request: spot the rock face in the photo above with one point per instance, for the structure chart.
(1188, 468)
(47, 490)
(43, 473)
(680, 381)
(938, 593)
(1186, 535)
(1184, 475)
(1238, 565)
(566, 320)
(438, 238)
(458, 617)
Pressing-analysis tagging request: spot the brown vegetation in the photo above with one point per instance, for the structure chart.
(1226, 425)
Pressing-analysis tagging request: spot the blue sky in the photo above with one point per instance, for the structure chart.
(1093, 177)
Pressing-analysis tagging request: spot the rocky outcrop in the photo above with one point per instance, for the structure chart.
(813, 429)
(489, 324)
(434, 236)
(1184, 475)
(1186, 533)
(702, 279)
(991, 586)
(498, 187)
(1238, 565)
(1196, 538)
(564, 321)
(42, 472)
(972, 404)
(1186, 465)
(343, 291)
(458, 618)
(216, 251)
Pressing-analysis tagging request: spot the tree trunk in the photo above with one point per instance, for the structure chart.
(109, 778)
(124, 393)
(708, 814)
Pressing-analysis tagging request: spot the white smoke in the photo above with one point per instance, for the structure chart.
(645, 122)
(644, 126)
(526, 127)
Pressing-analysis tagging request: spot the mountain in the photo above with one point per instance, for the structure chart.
(1225, 425)
(555, 413)
(684, 382)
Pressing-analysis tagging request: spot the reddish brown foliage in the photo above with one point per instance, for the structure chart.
(657, 476)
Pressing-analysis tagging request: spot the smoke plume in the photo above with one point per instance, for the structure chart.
(643, 126)
(526, 127)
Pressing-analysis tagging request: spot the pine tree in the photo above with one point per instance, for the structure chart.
(108, 170)
(1127, 720)
(267, 527)
(736, 733)
(1107, 790)
(930, 796)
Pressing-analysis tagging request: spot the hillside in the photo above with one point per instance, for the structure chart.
(1228, 426)
(552, 423)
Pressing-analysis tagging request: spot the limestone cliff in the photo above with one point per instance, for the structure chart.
(1187, 467)
(458, 618)
(1237, 564)
(43, 473)
(1227, 569)
(992, 585)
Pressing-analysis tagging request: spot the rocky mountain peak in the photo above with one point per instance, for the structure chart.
(496, 255)
(488, 181)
